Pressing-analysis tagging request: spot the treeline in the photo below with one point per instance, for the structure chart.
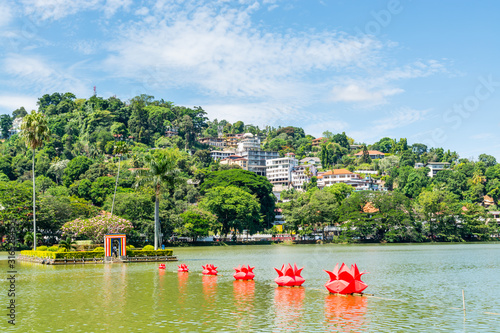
(90, 139)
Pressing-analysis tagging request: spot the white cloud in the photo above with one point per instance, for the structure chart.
(6, 14)
(40, 76)
(11, 102)
(356, 93)
(376, 86)
(57, 9)
(387, 126)
(317, 128)
(221, 51)
(483, 136)
(253, 113)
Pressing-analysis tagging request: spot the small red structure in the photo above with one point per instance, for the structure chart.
(289, 277)
(244, 273)
(161, 266)
(345, 280)
(209, 269)
(182, 268)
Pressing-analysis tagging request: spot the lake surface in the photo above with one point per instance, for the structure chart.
(416, 288)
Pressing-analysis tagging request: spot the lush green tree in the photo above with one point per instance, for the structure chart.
(365, 158)
(235, 209)
(384, 145)
(35, 132)
(197, 222)
(75, 168)
(6, 166)
(19, 113)
(5, 125)
(161, 172)
(249, 182)
(101, 188)
(488, 160)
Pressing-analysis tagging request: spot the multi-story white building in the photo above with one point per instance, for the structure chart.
(214, 142)
(302, 174)
(222, 154)
(278, 170)
(336, 176)
(236, 160)
(249, 148)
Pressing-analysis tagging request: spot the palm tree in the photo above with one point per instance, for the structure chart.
(28, 237)
(120, 149)
(67, 244)
(34, 131)
(161, 171)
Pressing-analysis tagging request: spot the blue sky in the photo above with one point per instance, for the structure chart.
(424, 70)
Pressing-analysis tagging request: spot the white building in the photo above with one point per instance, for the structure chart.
(311, 161)
(302, 174)
(278, 170)
(249, 148)
(434, 167)
(336, 176)
(222, 154)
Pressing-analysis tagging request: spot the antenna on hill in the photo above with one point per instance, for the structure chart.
(95, 92)
(219, 131)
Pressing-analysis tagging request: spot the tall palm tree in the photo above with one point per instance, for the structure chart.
(34, 131)
(160, 171)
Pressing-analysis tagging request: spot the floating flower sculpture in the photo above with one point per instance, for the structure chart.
(244, 273)
(161, 266)
(183, 268)
(289, 277)
(209, 269)
(345, 280)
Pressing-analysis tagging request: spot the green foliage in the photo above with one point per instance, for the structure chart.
(67, 244)
(53, 248)
(42, 248)
(76, 167)
(99, 249)
(235, 209)
(149, 253)
(197, 222)
(148, 248)
(247, 181)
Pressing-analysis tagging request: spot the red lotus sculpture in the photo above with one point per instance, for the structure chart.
(345, 280)
(161, 266)
(289, 277)
(209, 269)
(244, 273)
(182, 268)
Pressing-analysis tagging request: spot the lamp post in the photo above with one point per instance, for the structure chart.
(119, 149)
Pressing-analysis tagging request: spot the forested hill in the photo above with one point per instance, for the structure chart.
(76, 169)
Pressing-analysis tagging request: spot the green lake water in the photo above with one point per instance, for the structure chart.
(416, 288)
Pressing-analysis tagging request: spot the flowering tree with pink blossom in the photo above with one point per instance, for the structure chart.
(95, 228)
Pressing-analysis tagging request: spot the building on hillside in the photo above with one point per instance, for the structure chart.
(317, 142)
(221, 154)
(171, 131)
(311, 161)
(236, 160)
(302, 174)
(374, 154)
(249, 148)
(336, 176)
(434, 167)
(232, 140)
(213, 142)
(279, 170)
(355, 147)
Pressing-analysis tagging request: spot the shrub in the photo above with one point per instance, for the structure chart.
(149, 248)
(53, 248)
(149, 253)
(42, 248)
(99, 249)
(62, 249)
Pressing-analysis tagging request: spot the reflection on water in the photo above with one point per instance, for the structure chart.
(417, 288)
(244, 303)
(345, 313)
(288, 305)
